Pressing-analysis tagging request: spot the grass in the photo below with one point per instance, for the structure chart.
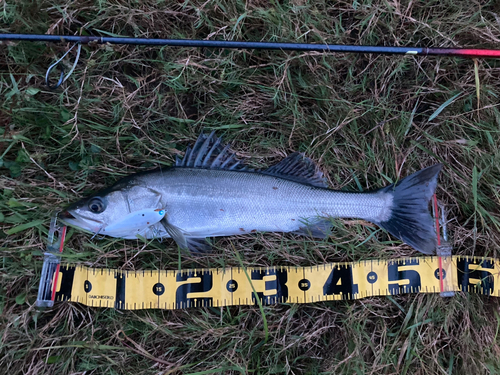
(367, 120)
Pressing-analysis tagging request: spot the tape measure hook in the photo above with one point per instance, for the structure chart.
(443, 221)
(51, 264)
(55, 234)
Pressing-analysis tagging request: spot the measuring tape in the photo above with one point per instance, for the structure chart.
(162, 289)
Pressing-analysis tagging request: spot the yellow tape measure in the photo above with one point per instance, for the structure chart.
(157, 289)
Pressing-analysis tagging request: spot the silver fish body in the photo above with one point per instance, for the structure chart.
(207, 203)
(209, 193)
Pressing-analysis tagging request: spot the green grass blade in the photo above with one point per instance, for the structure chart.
(443, 106)
(22, 227)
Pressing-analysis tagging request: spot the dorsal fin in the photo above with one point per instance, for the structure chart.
(296, 167)
(209, 153)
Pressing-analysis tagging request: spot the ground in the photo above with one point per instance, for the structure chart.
(367, 120)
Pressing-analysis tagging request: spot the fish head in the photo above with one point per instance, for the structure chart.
(118, 211)
(96, 212)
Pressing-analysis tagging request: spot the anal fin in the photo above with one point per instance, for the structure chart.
(318, 228)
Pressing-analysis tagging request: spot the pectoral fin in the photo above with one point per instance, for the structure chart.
(184, 240)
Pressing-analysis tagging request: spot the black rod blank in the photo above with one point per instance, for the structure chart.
(464, 52)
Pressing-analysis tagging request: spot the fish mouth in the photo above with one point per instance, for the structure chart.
(81, 222)
(66, 215)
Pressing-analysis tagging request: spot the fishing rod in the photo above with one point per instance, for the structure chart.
(417, 51)
(462, 52)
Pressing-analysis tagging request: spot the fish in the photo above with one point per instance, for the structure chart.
(210, 192)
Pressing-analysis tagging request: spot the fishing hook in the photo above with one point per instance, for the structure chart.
(157, 235)
(97, 233)
(63, 77)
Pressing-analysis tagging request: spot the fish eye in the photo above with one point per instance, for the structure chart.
(96, 205)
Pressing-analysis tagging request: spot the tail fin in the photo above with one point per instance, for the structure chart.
(410, 218)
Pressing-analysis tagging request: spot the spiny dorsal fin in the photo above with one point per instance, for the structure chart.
(296, 167)
(209, 153)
